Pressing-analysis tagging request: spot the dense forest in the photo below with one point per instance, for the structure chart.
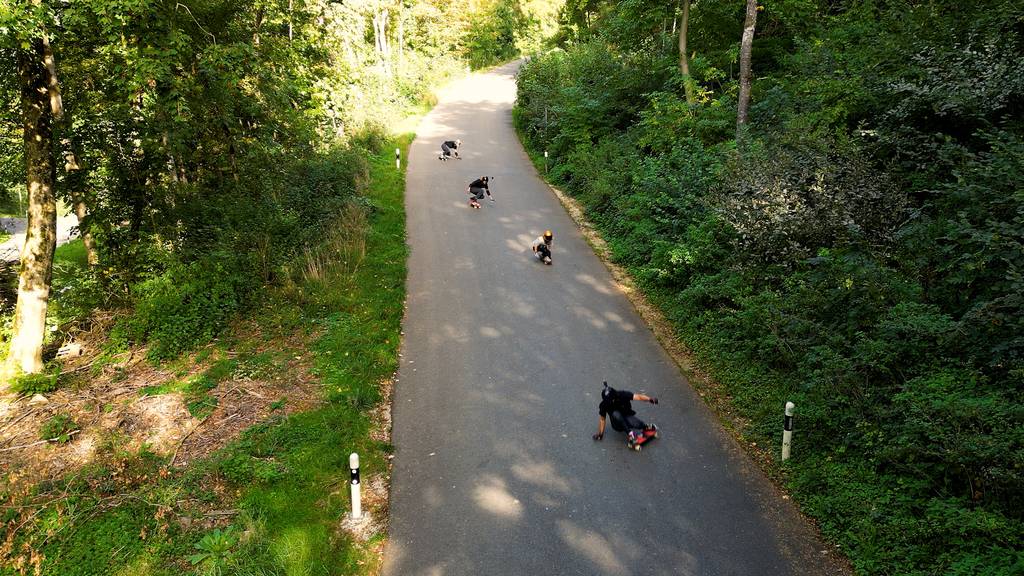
(202, 144)
(827, 200)
(234, 303)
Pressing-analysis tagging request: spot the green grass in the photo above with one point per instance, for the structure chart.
(72, 253)
(286, 476)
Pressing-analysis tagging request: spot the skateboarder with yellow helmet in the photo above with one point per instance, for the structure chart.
(542, 247)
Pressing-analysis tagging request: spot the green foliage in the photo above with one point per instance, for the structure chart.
(186, 306)
(212, 142)
(859, 253)
(59, 428)
(493, 34)
(121, 518)
(215, 552)
(28, 384)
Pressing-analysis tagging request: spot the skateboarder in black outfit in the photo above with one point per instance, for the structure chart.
(542, 247)
(476, 189)
(616, 405)
(449, 148)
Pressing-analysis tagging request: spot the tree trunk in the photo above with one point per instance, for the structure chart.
(376, 35)
(75, 188)
(385, 43)
(40, 101)
(401, 38)
(684, 59)
(257, 26)
(745, 46)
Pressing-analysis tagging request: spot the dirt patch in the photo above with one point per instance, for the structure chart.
(240, 405)
(129, 404)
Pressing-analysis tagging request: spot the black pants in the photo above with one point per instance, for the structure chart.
(543, 251)
(446, 151)
(477, 193)
(623, 423)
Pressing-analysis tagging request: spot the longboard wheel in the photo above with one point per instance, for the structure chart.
(638, 447)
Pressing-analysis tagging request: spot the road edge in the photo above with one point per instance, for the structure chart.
(711, 392)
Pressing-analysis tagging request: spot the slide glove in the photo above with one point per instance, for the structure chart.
(598, 437)
(654, 400)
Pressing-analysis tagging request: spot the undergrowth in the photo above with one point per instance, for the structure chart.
(282, 482)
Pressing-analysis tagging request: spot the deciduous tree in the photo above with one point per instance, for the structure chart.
(41, 105)
(743, 106)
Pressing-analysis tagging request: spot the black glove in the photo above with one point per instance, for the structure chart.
(653, 400)
(598, 436)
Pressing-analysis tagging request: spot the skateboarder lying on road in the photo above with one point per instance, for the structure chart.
(616, 405)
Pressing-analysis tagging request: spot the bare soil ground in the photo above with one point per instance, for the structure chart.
(111, 409)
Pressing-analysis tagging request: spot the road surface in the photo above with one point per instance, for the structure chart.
(495, 471)
(10, 250)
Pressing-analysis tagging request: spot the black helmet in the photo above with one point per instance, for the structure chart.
(607, 392)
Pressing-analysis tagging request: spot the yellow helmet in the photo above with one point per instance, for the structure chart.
(548, 236)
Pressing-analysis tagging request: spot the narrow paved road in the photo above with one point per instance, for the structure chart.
(10, 250)
(495, 472)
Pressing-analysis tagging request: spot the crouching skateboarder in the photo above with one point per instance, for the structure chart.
(616, 405)
(542, 247)
(450, 148)
(476, 190)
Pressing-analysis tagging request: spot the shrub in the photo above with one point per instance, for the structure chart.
(187, 305)
(216, 552)
(59, 428)
(41, 383)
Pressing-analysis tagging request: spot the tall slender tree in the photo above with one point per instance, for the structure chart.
(41, 105)
(745, 48)
(684, 59)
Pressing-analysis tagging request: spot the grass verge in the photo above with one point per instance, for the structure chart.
(272, 502)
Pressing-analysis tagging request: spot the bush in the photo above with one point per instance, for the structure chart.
(234, 248)
(59, 428)
(187, 305)
(29, 384)
(859, 254)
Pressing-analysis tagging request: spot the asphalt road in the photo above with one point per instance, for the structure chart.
(495, 471)
(10, 250)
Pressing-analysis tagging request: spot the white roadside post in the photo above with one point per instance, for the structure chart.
(787, 431)
(545, 162)
(357, 505)
(398, 159)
